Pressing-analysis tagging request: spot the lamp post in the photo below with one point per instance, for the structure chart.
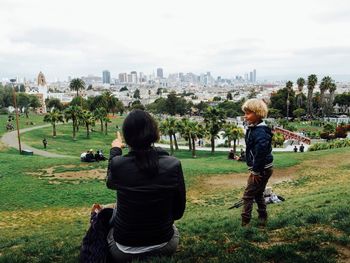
(16, 110)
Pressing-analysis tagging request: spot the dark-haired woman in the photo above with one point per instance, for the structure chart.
(150, 193)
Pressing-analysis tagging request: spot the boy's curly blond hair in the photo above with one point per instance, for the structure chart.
(257, 106)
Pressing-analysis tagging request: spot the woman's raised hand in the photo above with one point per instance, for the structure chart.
(118, 142)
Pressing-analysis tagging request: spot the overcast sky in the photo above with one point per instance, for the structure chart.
(226, 37)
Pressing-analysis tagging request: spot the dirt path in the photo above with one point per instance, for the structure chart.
(212, 184)
(10, 139)
(208, 185)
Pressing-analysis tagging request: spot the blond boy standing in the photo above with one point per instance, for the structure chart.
(259, 159)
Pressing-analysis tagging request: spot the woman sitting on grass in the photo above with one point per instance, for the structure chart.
(150, 193)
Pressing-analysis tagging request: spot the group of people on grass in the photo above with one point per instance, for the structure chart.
(151, 195)
(89, 156)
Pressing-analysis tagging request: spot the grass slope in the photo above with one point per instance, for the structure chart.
(44, 219)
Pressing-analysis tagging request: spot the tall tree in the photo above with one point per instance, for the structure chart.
(233, 133)
(196, 131)
(324, 86)
(167, 127)
(53, 104)
(106, 121)
(300, 83)
(332, 89)
(88, 119)
(120, 107)
(171, 103)
(76, 85)
(137, 94)
(73, 113)
(214, 120)
(289, 86)
(311, 83)
(184, 129)
(54, 117)
(34, 102)
(100, 114)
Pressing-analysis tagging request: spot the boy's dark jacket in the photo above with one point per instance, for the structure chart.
(258, 140)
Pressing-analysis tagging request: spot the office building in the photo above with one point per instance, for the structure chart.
(106, 77)
(123, 77)
(159, 73)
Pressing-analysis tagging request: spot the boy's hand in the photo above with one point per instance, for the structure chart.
(118, 142)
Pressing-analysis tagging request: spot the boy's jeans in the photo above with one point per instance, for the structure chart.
(255, 191)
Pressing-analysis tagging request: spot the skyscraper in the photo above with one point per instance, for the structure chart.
(251, 77)
(254, 75)
(159, 73)
(106, 77)
(123, 77)
(133, 76)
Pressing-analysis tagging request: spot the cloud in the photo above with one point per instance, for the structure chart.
(46, 37)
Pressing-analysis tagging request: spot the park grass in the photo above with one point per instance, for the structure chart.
(23, 121)
(44, 222)
(63, 143)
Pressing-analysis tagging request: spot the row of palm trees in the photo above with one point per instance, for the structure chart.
(327, 83)
(78, 117)
(191, 130)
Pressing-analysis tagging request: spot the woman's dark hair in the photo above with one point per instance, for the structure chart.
(140, 131)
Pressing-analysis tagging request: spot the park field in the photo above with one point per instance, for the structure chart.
(45, 204)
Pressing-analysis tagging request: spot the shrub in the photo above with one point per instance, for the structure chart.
(330, 145)
(341, 132)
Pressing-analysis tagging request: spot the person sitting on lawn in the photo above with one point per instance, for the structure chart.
(242, 156)
(90, 157)
(99, 156)
(231, 155)
(151, 193)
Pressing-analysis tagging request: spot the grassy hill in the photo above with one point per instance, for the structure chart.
(45, 205)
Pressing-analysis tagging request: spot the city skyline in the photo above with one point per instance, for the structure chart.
(227, 38)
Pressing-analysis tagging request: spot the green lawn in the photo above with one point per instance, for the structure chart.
(63, 143)
(44, 218)
(23, 121)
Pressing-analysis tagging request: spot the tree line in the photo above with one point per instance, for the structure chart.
(287, 103)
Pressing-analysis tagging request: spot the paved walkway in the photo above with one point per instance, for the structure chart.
(289, 148)
(10, 139)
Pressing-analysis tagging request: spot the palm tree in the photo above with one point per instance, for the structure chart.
(192, 131)
(184, 129)
(237, 133)
(106, 121)
(214, 120)
(311, 83)
(77, 84)
(301, 83)
(73, 113)
(324, 85)
(54, 117)
(100, 113)
(110, 101)
(167, 127)
(233, 133)
(119, 107)
(88, 120)
(332, 89)
(289, 86)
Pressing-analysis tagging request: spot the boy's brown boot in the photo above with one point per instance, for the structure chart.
(245, 222)
(262, 222)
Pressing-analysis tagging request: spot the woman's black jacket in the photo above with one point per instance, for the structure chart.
(146, 205)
